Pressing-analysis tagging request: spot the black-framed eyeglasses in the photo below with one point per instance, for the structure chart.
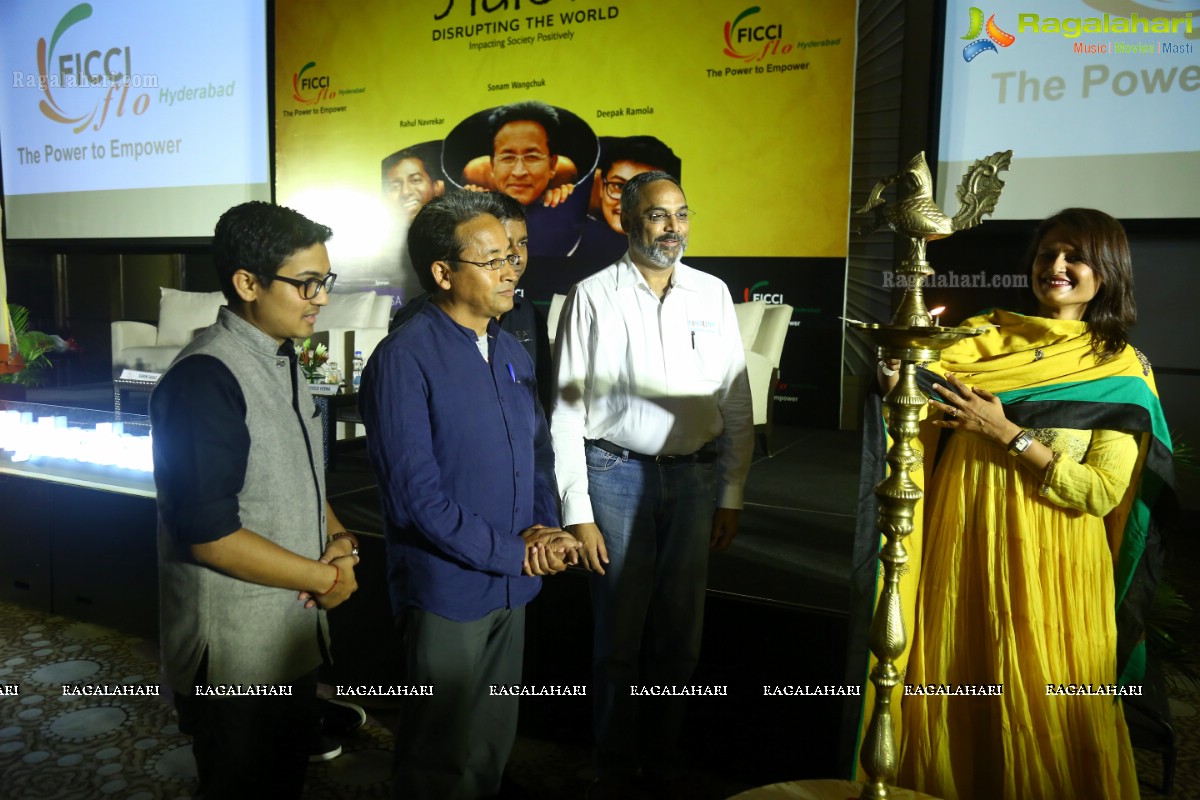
(658, 217)
(613, 188)
(513, 260)
(309, 288)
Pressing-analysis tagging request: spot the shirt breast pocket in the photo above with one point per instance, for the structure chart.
(708, 349)
(520, 393)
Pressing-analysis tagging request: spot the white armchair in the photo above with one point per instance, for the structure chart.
(764, 330)
(150, 348)
(354, 321)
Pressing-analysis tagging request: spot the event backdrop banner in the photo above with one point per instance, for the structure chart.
(381, 105)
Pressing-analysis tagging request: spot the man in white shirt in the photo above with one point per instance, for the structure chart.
(653, 433)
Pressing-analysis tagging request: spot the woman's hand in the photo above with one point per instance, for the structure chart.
(973, 411)
(888, 373)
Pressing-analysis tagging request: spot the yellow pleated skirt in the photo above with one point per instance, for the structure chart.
(1018, 592)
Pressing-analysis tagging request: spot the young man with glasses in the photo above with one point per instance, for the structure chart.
(250, 553)
(460, 447)
(652, 441)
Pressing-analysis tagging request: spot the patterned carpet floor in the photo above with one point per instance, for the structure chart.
(129, 747)
(57, 747)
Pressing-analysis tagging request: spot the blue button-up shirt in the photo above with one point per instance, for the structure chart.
(463, 457)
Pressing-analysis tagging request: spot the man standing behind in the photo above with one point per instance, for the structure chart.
(652, 439)
(245, 521)
(466, 471)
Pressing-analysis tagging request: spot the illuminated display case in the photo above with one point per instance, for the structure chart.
(78, 519)
(77, 446)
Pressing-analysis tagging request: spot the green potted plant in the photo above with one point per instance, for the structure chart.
(31, 348)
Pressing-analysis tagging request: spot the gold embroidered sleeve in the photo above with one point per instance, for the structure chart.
(1096, 485)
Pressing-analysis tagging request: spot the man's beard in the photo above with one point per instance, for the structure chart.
(660, 255)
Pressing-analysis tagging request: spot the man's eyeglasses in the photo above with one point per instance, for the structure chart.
(658, 217)
(613, 189)
(530, 160)
(496, 263)
(309, 288)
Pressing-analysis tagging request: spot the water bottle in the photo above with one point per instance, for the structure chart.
(358, 368)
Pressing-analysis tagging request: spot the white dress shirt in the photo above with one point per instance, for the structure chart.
(656, 377)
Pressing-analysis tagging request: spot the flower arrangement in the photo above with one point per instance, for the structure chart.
(30, 349)
(312, 359)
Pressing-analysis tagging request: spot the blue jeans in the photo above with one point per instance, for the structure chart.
(648, 607)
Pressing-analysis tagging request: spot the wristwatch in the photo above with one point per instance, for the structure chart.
(346, 535)
(1020, 443)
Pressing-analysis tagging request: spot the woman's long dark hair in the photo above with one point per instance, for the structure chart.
(1104, 247)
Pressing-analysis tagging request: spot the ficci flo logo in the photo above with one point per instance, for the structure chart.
(994, 33)
(752, 293)
(765, 40)
(94, 69)
(303, 84)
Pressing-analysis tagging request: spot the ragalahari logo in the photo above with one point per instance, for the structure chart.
(765, 39)
(303, 84)
(82, 70)
(995, 36)
(752, 293)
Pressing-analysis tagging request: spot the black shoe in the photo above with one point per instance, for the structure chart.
(322, 749)
(339, 718)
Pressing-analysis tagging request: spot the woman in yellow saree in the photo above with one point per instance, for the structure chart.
(1047, 466)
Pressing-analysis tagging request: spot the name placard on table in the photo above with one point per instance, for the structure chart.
(138, 375)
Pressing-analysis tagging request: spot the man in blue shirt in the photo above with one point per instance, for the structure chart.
(523, 321)
(460, 447)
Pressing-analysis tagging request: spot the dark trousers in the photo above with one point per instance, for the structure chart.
(454, 744)
(251, 747)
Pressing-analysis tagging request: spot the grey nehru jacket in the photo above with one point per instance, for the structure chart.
(254, 634)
